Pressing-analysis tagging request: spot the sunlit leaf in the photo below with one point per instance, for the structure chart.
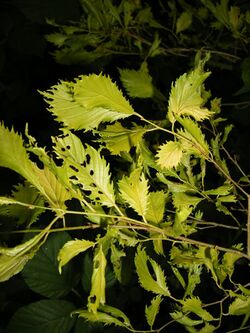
(86, 168)
(134, 190)
(98, 283)
(193, 139)
(240, 306)
(118, 138)
(183, 319)
(13, 260)
(14, 156)
(185, 97)
(156, 206)
(146, 280)
(86, 102)
(137, 83)
(152, 310)
(169, 154)
(194, 305)
(71, 249)
(115, 257)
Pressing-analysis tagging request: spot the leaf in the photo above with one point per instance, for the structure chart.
(116, 313)
(193, 139)
(152, 310)
(183, 22)
(50, 316)
(134, 191)
(24, 193)
(119, 139)
(182, 200)
(240, 307)
(221, 190)
(228, 262)
(86, 102)
(71, 249)
(194, 274)
(156, 206)
(146, 280)
(86, 168)
(194, 305)
(185, 97)
(98, 283)
(185, 320)
(100, 317)
(115, 257)
(41, 273)
(169, 155)
(13, 260)
(14, 156)
(137, 83)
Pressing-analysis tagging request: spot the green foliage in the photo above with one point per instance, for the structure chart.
(42, 274)
(52, 316)
(119, 210)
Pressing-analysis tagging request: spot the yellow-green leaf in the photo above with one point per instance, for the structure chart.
(137, 83)
(87, 101)
(185, 96)
(134, 190)
(194, 305)
(152, 310)
(118, 138)
(98, 283)
(240, 307)
(146, 280)
(169, 155)
(72, 249)
(12, 260)
(156, 206)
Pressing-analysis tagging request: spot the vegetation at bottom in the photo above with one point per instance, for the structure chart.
(126, 208)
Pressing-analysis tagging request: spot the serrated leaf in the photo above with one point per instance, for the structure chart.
(146, 280)
(116, 313)
(194, 305)
(169, 154)
(240, 307)
(134, 190)
(14, 156)
(41, 273)
(156, 206)
(13, 260)
(183, 22)
(50, 316)
(23, 193)
(115, 257)
(98, 283)
(71, 249)
(100, 317)
(118, 138)
(221, 190)
(86, 168)
(86, 102)
(193, 279)
(185, 96)
(183, 319)
(182, 200)
(193, 139)
(152, 310)
(137, 83)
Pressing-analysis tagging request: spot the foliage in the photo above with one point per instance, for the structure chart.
(118, 201)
